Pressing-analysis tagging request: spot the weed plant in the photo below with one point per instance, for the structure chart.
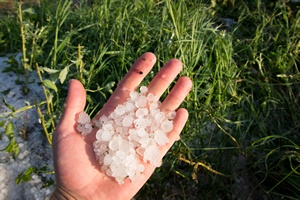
(242, 136)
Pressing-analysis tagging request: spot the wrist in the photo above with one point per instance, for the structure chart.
(61, 194)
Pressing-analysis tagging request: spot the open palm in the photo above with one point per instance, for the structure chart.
(77, 172)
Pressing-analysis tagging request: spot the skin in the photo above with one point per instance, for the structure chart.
(78, 174)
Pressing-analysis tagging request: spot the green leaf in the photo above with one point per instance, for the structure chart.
(47, 183)
(13, 147)
(25, 108)
(63, 74)
(2, 123)
(50, 84)
(8, 105)
(29, 10)
(25, 176)
(10, 130)
(48, 70)
(109, 86)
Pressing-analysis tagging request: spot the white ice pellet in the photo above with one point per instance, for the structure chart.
(119, 120)
(160, 138)
(83, 118)
(97, 123)
(140, 113)
(26, 153)
(103, 119)
(159, 116)
(114, 145)
(88, 127)
(2, 176)
(142, 132)
(108, 127)
(107, 160)
(133, 137)
(134, 95)
(4, 191)
(112, 115)
(129, 106)
(140, 123)
(144, 111)
(154, 112)
(141, 102)
(21, 145)
(152, 154)
(80, 127)
(153, 106)
(127, 121)
(33, 189)
(84, 124)
(120, 130)
(120, 110)
(47, 192)
(124, 146)
(143, 89)
(144, 142)
(171, 115)
(150, 97)
(106, 136)
(132, 133)
(35, 176)
(167, 126)
(130, 159)
(121, 154)
(99, 134)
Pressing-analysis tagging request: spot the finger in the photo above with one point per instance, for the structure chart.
(178, 125)
(165, 77)
(75, 103)
(177, 94)
(130, 82)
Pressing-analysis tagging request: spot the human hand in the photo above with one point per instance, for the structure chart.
(78, 174)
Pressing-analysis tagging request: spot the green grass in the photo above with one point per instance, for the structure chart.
(244, 105)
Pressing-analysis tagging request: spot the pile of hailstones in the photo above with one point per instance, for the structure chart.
(132, 133)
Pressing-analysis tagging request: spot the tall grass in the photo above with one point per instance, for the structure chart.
(244, 104)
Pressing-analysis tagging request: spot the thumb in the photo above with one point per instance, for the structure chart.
(75, 103)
